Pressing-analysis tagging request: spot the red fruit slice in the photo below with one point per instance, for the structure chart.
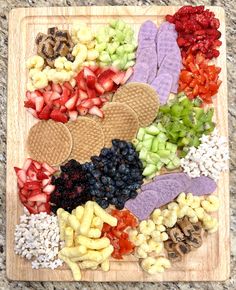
(73, 115)
(68, 86)
(118, 77)
(82, 111)
(56, 88)
(99, 88)
(45, 207)
(128, 74)
(58, 116)
(32, 175)
(31, 209)
(49, 188)
(63, 109)
(70, 104)
(41, 176)
(37, 164)
(96, 111)
(28, 95)
(29, 104)
(55, 96)
(81, 81)
(45, 113)
(78, 102)
(48, 88)
(48, 168)
(88, 72)
(36, 94)
(22, 197)
(91, 93)
(96, 101)
(17, 169)
(106, 75)
(107, 85)
(32, 112)
(65, 95)
(32, 185)
(42, 197)
(83, 95)
(27, 164)
(21, 174)
(87, 103)
(91, 80)
(47, 97)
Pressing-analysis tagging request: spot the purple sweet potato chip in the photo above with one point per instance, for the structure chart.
(141, 72)
(166, 44)
(143, 204)
(171, 64)
(202, 185)
(181, 177)
(167, 26)
(147, 31)
(162, 84)
(159, 194)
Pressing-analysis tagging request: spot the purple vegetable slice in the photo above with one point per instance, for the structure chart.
(141, 72)
(202, 185)
(162, 84)
(166, 27)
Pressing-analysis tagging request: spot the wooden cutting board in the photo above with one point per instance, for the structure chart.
(212, 260)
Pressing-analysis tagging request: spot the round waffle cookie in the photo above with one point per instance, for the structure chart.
(120, 122)
(49, 142)
(140, 97)
(88, 138)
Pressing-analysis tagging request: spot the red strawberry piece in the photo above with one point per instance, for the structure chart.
(70, 104)
(31, 209)
(22, 197)
(17, 169)
(29, 104)
(42, 197)
(93, 68)
(55, 96)
(91, 93)
(58, 116)
(41, 176)
(88, 72)
(48, 88)
(44, 207)
(96, 101)
(91, 80)
(28, 95)
(63, 109)
(78, 102)
(96, 111)
(57, 88)
(39, 102)
(68, 86)
(82, 111)
(36, 94)
(27, 164)
(32, 175)
(32, 185)
(87, 103)
(48, 169)
(118, 77)
(83, 95)
(32, 112)
(128, 74)
(45, 113)
(47, 97)
(49, 188)
(21, 174)
(20, 183)
(73, 115)
(107, 85)
(106, 75)
(37, 164)
(35, 192)
(81, 81)
(99, 88)
(46, 182)
(65, 95)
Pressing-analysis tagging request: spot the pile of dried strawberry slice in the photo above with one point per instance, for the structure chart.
(34, 182)
(197, 30)
(64, 102)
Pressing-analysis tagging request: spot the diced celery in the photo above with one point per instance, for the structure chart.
(141, 133)
(111, 48)
(120, 36)
(103, 64)
(162, 136)
(113, 23)
(143, 154)
(139, 147)
(120, 50)
(176, 162)
(170, 166)
(117, 63)
(153, 130)
(171, 147)
(161, 128)
(155, 157)
(100, 46)
(163, 153)
(148, 137)
(101, 38)
(161, 145)
(128, 47)
(131, 55)
(114, 57)
(111, 32)
(150, 160)
(150, 169)
(159, 165)
(144, 163)
(104, 57)
(165, 160)
(120, 25)
(154, 145)
(148, 177)
(147, 144)
(129, 64)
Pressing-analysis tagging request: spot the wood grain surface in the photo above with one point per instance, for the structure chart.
(211, 261)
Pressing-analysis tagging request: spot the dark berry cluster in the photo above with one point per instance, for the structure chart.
(115, 175)
(72, 187)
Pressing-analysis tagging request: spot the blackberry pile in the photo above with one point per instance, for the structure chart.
(72, 187)
(115, 175)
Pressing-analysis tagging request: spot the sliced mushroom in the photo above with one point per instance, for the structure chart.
(197, 228)
(40, 50)
(169, 245)
(50, 61)
(52, 30)
(182, 248)
(194, 241)
(48, 49)
(40, 37)
(176, 235)
(63, 33)
(174, 256)
(186, 226)
(62, 49)
(70, 57)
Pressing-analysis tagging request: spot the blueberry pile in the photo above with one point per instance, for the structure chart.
(115, 175)
(72, 188)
